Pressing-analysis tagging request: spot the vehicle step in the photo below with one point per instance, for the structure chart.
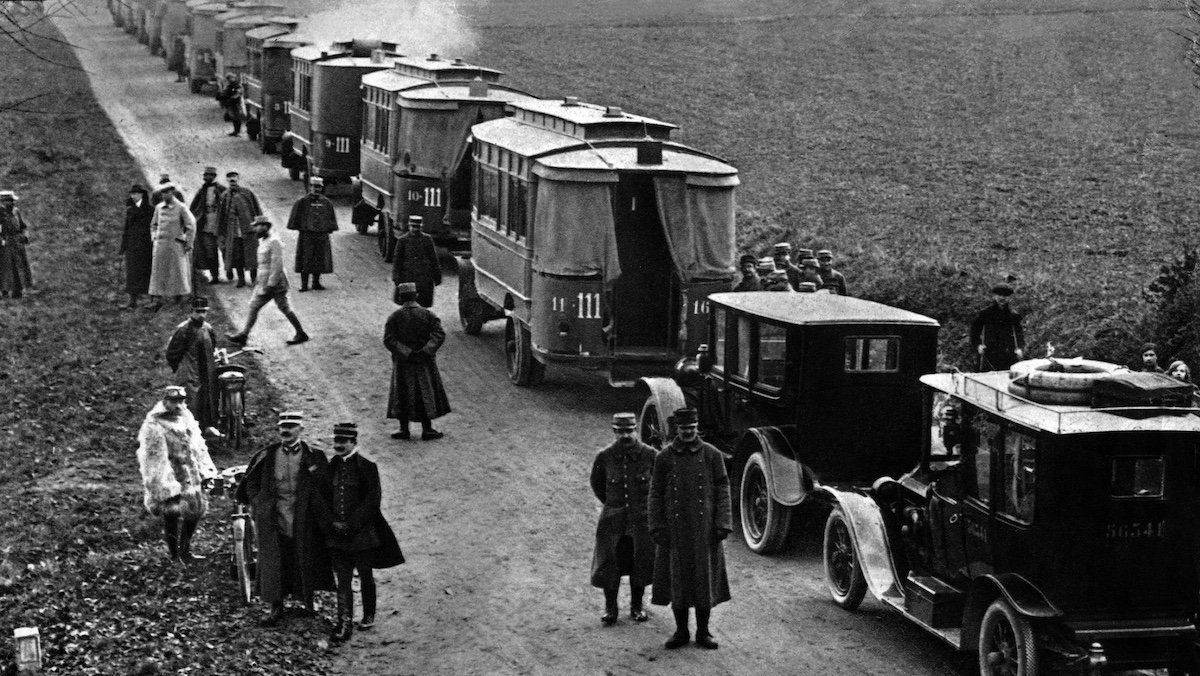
(936, 603)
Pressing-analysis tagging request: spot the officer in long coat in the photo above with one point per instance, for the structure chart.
(15, 274)
(689, 518)
(621, 481)
(416, 261)
(313, 216)
(204, 208)
(282, 486)
(173, 230)
(358, 536)
(996, 333)
(235, 218)
(136, 244)
(413, 335)
(190, 356)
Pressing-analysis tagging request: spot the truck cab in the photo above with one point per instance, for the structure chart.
(1034, 534)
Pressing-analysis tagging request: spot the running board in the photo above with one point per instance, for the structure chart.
(953, 637)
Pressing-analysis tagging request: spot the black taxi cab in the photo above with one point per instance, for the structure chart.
(1037, 535)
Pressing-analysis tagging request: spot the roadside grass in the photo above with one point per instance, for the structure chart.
(79, 556)
(937, 146)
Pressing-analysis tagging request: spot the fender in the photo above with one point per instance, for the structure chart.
(1024, 597)
(788, 481)
(666, 396)
(872, 545)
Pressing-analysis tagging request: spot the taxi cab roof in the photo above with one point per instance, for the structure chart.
(989, 392)
(819, 308)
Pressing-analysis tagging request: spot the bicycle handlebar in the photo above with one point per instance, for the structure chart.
(223, 357)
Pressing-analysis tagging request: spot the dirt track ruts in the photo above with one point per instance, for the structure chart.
(497, 518)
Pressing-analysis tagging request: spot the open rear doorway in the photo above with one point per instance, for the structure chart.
(648, 288)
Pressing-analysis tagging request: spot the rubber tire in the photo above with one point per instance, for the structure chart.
(838, 540)
(518, 353)
(231, 421)
(1024, 650)
(754, 497)
(1047, 396)
(653, 430)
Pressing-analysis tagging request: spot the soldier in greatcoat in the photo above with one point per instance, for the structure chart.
(235, 217)
(689, 518)
(282, 486)
(413, 335)
(174, 464)
(416, 261)
(358, 536)
(136, 244)
(313, 216)
(15, 274)
(782, 253)
(190, 356)
(173, 230)
(203, 206)
(833, 279)
(996, 333)
(621, 481)
(771, 278)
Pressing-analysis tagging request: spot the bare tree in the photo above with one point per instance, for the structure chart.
(25, 24)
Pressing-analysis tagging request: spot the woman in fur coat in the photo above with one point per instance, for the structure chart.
(174, 462)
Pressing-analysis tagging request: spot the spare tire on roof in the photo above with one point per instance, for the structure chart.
(1058, 381)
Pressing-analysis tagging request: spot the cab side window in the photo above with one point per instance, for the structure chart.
(744, 338)
(1020, 475)
(984, 440)
(718, 352)
(872, 354)
(772, 356)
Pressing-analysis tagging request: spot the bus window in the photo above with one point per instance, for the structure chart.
(772, 355)
(1020, 475)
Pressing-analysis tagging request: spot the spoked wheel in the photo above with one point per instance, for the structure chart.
(652, 429)
(765, 522)
(1007, 646)
(523, 369)
(843, 574)
(232, 421)
(245, 555)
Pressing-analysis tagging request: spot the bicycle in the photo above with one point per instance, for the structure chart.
(243, 557)
(231, 396)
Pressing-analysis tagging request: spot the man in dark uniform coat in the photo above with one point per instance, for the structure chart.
(621, 482)
(782, 253)
(235, 229)
(282, 486)
(996, 334)
(689, 517)
(136, 244)
(190, 356)
(749, 282)
(204, 206)
(357, 535)
(416, 261)
(413, 335)
(833, 280)
(314, 217)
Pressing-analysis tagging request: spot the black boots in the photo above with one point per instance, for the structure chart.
(186, 530)
(703, 638)
(317, 283)
(171, 535)
(344, 627)
(301, 336)
(274, 617)
(609, 617)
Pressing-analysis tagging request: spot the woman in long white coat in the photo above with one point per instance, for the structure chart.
(173, 230)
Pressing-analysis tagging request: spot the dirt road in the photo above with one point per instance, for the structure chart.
(497, 518)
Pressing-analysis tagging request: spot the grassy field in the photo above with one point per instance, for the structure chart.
(79, 557)
(938, 146)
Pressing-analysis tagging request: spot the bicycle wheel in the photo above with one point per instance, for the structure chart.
(243, 561)
(237, 409)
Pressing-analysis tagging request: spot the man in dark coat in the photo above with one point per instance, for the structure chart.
(235, 218)
(357, 535)
(136, 243)
(1150, 359)
(413, 335)
(782, 253)
(314, 217)
(204, 208)
(416, 261)
(190, 356)
(621, 482)
(996, 333)
(15, 274)
(231, 101)
(282, 486)
(749, 282)
(834, 281)
(689, 517)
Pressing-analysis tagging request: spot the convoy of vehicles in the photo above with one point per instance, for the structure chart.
(1037, 535)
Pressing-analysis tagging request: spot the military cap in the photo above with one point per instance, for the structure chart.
(685, 416)
(782, 246)
(824, 253)
(199, 303)
(1002, 290)
(345, 430)
(231, 174)
(809, 262)
(9, 194)
(316, 180)
(174, 392)
(406, 287)
(210, 170)
(806, 287)
(747, 258)
(137, 187)
(624, 421)
(766, 264)
(291, 418)
(260, 219)
(416, 220)
(804, 253)
(164, 187)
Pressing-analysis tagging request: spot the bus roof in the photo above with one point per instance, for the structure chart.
(819, 308)
(460, 91)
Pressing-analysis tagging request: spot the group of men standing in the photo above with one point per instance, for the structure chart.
(665, 516)
(778, 273)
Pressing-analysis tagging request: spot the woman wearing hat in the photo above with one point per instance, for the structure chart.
(136, 243)
(173, 230)
(15, 275)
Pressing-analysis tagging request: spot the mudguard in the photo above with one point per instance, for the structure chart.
(667, 398)
(871, 542)
(788, 482)
(1024, 597)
